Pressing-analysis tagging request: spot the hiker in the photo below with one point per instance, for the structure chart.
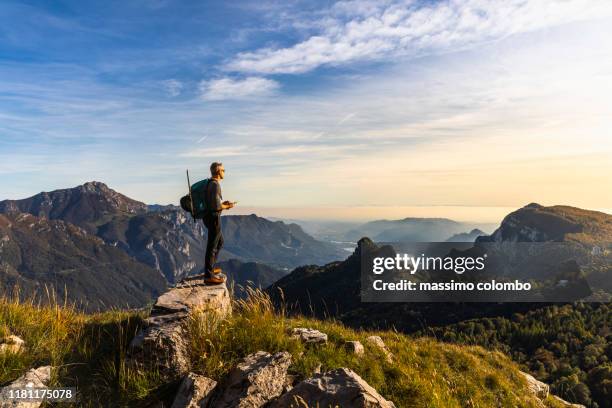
(212, 221)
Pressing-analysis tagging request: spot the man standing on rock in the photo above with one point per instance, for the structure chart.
(212, 221)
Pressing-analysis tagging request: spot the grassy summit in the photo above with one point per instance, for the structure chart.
(90, 353)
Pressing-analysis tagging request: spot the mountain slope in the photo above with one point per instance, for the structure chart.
(241, 274)
(250, 237)
(37, 252)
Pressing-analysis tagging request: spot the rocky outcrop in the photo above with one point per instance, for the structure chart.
(34, 378)
(307, 335)
(536, 387)
(341, 387)
(162, 344)
(11, 344)
(541, 391)
(567, 404)
(194, 392)
(259, 378)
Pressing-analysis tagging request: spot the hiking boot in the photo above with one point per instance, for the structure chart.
(216, 271)
(214, 280)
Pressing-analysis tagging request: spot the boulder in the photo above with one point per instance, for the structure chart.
(309, 335)
(194, 392)
(376, 341)
(354, 347)
(193, 294)
(161, 344)
(341, 387)
(34, 378)
(11, 344)
(537, 388)
(259, 378)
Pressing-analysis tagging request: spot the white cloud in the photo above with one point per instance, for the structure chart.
(221, 151)
(364, 30)
(228, 88)
(173, 87)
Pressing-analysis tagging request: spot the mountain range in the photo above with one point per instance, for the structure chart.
(316, 289)
(155, 246)
(165, 237)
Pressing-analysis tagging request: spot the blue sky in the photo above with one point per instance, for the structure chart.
(367, 108)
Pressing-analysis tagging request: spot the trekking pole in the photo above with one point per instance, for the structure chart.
(190, 196)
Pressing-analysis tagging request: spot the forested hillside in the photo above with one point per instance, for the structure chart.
(568, 346)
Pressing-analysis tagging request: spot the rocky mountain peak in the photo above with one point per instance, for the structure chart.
(537, 223)
(365, 244)
(83, 205)
(95, 187)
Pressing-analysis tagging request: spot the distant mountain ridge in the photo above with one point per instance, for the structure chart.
(466, 236)
(408, 230)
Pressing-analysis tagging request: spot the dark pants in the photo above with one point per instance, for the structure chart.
(214, 242)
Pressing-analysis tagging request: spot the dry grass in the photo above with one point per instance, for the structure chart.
(89, 351)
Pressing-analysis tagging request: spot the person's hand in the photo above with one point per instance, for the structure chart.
(229, 204)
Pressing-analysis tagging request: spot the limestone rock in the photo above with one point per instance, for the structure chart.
(194, 294)
(194, 392)
(537, 388)
(354, 347)
(567, 404)
(34, 378)
(341, 387)
(378, 342)
(161, 344)
(259, 378)
(11, 344)
(309, 335)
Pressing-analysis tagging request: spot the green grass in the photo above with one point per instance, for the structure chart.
(90, 353)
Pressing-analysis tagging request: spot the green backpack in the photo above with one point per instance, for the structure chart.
(197, 197)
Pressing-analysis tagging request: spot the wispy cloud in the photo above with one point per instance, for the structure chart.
(347, 118)
(173, 87)
(228, 88)
(365, 30)
(221, 151)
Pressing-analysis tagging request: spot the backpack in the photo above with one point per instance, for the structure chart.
(197, 196)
